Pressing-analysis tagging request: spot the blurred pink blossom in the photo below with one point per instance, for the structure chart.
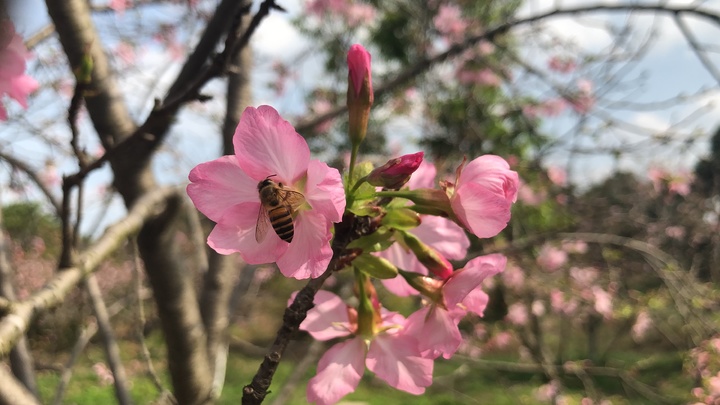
(513, 277)
(484, 77)
(103, 373)
(126, 52)
(557, 175)
(550, 258)
(517, 314)
(675, 232)
(320, 106)
(547, 392)
(603, 302)
(538, 308)
(13, 80)
(49, 174)
(562, 64)
(643, 323)
(531, 197)
(359, 13)
(584, 100)
(119, 5)
(583, 277)
(449, 22)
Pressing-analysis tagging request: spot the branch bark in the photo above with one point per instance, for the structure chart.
(16, 321)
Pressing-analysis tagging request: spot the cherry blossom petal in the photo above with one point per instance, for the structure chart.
(483, 212)
(476, 301)
(339, 372)
(328, 319)
(266, 144)
(469, 278)
(444, 235)
(494, 173)
(324, 190)
(20, 87)
(436, 331)
(397, 360)
(308, 255)
(399, 287)
(235, 232)
(403, 260)
(424, 176)
(220, 184)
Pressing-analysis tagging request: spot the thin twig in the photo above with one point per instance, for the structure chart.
(137, 273)
(709, 65)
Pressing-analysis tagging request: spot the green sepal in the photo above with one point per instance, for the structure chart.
(374, 242)
(401, 218)
(375, 266)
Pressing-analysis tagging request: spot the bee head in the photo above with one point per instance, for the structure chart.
(266, 182)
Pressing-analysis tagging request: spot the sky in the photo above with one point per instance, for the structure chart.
(669, 68)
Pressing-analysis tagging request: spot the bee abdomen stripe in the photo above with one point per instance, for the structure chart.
(281, 222)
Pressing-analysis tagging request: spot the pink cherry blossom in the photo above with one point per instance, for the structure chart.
(517, 314)
(643, 323)
(557, 175)
(424, 176)
(13, 80)
(482, 195)
(562, 64)
(391, 354)
(449, 22)
(119, 5)
(484, 77)
(584, 100)
(359, 13)
(435, 325)
(603, 302)
(225, 190)
(551, 258)
(440, 233)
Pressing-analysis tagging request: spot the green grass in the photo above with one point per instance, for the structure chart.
(455, 381)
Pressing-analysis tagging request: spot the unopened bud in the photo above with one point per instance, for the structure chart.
(429, 257)
(427, 286)
(360, 92)
(396, 172)
(375, 266)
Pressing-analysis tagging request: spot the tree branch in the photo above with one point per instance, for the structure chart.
(406, 75)
(16, 321)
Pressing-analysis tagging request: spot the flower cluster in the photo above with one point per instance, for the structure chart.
(272, 203)
(13, 80)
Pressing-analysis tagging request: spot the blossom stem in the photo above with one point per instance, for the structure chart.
(357, 184)
(353, 158)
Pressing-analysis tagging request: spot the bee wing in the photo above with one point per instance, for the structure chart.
(292, 198)
(262, 225)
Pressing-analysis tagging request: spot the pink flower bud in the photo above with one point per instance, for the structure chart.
(360, 92)
(396, 172)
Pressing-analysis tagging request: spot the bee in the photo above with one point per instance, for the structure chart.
(277, 206)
